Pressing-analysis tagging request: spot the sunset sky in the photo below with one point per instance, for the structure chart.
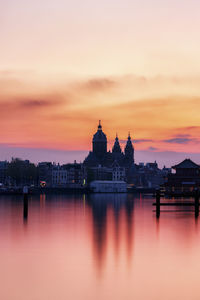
(66, 64)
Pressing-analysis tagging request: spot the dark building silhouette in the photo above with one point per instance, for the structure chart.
(186, 178)
(45, 172)
(100, 156)
(129, 151)
(99, 143)
(116, 150)
(3, 171)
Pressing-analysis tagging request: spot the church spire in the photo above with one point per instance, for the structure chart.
(129, 150)
(99, 127)
(116, 148)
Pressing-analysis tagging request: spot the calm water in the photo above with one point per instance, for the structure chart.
(97, 247)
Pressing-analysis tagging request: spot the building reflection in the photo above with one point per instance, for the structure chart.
(129, 209)
(112, 222)
(99, 221)
(116, 210)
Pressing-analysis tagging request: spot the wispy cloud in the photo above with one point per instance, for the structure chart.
(136, 141)
(39, 103)
(29, 103)
(67, 116)
(152, 148)
(179, 140)
(139, 141)
(98, 84)
(182, 139)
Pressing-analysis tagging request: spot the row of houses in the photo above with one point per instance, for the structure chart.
(183, 177)
(77, 174)
(55, 175)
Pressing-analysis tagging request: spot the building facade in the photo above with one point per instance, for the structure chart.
(59, 178)
(45, 173)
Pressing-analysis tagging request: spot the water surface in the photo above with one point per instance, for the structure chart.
(97, 247)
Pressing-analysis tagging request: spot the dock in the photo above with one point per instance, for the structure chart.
(194, 203)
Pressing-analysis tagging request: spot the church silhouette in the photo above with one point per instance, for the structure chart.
(99, 156)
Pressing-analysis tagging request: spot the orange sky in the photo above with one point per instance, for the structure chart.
(65, 65)
(66, 116)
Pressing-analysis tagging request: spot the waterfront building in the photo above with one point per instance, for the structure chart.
(59, 178)
(98, 173)
(55, 175)
(185, 179)
(3, 172)
(75, 173)
(104, 186)
(149, 175)
(45, 173)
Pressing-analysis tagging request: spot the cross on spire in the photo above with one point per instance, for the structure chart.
(99, 127)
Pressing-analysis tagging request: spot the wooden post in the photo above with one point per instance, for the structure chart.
(196, 204)
(157, 203)
(25, 193)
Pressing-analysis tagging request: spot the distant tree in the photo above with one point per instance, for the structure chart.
(22, 172)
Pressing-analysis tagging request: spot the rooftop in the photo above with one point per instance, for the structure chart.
(186, 164)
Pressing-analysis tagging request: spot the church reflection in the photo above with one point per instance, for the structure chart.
(112, 217)
(129, 208)
(116, 211)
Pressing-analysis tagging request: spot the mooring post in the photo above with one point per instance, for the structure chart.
(157, 203)
(196, 202)
(25, 193)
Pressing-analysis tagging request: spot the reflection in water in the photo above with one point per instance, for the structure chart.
(121, 207)
(99, 216)
(129, 206)
(25, 209)
(96, 247)
(116, 211)
(42, 200)
(157, 226)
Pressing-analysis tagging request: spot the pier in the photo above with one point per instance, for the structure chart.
(194, 203)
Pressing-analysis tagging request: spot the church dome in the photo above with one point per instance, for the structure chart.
(99, 136)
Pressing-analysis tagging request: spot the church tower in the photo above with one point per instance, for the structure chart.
(116, 148)
(99, 142)
(129, 151)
